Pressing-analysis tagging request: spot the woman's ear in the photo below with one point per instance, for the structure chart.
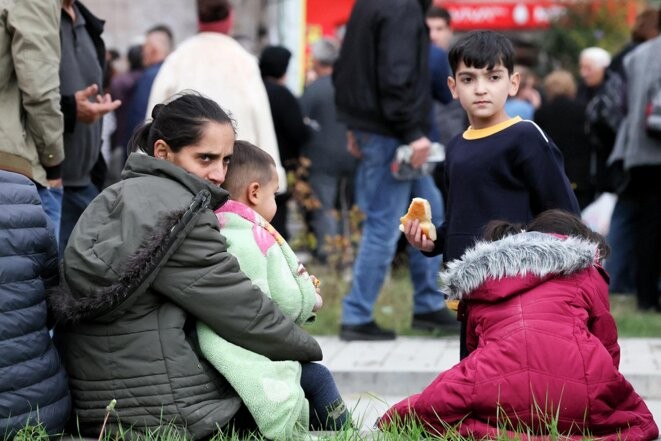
(161, 149)
(253, 193)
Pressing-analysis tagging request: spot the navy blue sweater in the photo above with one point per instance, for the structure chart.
(33, 385)
(510, 172)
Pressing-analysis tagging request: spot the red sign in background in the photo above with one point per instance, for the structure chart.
(502, 15)
(324, 17)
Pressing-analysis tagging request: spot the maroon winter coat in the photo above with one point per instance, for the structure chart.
(544, 345)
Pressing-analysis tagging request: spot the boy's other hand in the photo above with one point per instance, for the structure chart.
(416, 237)
(420, 151)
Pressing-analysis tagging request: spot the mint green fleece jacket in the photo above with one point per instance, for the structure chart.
(271, 390)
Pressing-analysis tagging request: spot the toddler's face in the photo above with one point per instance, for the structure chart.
(483, 92)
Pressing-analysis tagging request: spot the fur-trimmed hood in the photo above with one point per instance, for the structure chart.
(520, 255)
(115, 253)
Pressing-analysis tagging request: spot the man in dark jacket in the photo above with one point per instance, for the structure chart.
(382, 88)
(81, 78)
(33, 384)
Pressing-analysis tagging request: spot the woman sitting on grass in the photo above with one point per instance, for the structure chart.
(544, 352)
(145, 262)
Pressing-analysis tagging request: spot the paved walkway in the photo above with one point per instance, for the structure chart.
(374, 375)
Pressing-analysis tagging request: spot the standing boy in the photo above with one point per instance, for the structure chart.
(500, 167)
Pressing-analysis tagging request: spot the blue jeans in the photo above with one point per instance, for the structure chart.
(324, 220)
(384, 199)
(621, 264)
(51, 201)
(74, 202)
(327, 409)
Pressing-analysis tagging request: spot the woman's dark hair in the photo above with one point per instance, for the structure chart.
(549, 221)
(480, 49)
(179, 122)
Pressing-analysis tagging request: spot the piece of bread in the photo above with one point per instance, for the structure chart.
(420, 210)
(452, 305)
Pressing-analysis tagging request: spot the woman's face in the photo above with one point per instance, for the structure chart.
(208, 158)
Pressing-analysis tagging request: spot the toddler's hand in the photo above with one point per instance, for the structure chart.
(318, 304)
(416, 237)
(320, 301)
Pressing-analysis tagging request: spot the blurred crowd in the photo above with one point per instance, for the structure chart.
(582, 111)
(69, 111)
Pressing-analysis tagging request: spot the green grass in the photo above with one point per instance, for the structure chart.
(407, 429)
(633, 323)
(393, 308)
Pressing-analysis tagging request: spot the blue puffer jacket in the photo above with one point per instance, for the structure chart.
(33, 384)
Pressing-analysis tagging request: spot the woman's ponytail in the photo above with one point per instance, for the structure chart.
(140, 139)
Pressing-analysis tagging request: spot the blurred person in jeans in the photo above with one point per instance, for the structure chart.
(332, 167)
(382, 92)
(31, 123)
(640, 154)
(621, 264)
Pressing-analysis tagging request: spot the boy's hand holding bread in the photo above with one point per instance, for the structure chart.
(417, 226)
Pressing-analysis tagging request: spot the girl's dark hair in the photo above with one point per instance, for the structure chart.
(549, 221)
(481, 49)
(179, 122)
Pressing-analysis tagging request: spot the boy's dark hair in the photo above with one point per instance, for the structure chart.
(179, 122)
(481, 49)
(550, 221)
(438, 12)
(248, 164)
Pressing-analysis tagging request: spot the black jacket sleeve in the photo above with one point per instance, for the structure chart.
(399, 69)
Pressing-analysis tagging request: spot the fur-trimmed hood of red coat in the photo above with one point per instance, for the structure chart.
(482, 268)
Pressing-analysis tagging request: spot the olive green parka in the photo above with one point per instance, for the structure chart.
(144, 262)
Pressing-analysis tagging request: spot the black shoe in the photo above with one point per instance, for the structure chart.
(367, 331)
(441, 320)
